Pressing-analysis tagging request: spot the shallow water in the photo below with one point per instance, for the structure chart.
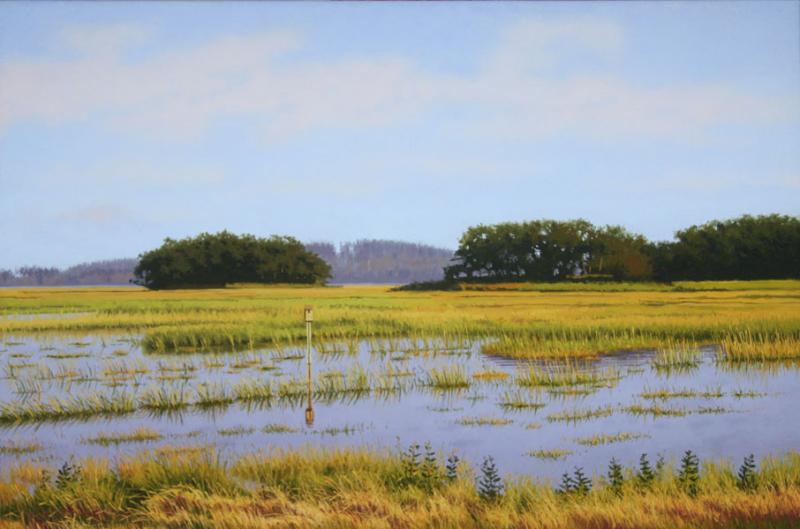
(764, 424)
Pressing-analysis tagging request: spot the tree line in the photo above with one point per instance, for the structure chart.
(747, 247)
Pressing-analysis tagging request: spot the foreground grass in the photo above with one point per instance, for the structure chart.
(177, 488)
(546, 321)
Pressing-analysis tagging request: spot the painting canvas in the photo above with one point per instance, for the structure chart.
(400, 265)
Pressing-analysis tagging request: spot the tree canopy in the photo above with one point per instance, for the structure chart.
(222, 258)
(765, 247)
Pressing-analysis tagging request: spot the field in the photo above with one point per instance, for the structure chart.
(506, 405)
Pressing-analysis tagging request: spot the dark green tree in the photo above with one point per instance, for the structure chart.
(615, 478)
(689, 474)
(763, 247)
(222, 258)
(746, 479)
(645, 475)
(430, 472)
(582, 484)
(452, 467)
(490, 484)
(567, 484)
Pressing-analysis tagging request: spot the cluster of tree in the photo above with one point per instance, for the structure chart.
(748, 247)
(380, 261)
(222, 258)
(548, 250)
(109, 272)
(765, 247)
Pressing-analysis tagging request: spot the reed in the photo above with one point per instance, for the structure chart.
(758, 347)
(447, 377)
(677, 355)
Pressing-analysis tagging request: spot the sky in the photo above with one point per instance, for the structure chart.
(125, 123)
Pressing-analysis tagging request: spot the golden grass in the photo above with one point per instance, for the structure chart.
(362, 489)
(553, 321)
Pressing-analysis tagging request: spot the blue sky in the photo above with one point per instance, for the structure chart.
(124, 123)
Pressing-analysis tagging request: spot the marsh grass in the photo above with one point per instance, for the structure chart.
(677, 356)
(174, 487)
(140, 435)
(163, 398)
(279, 428)
(519, 400)
(484, 421)
(655, 410)
(553, 454)
(604, 439)
(490, 375)
(73, 407)
(235, 431)
(448, 377)
(19, 448)
(741, 393)
(682, 393)
(568, 375)
(759, 347)
(581, 414)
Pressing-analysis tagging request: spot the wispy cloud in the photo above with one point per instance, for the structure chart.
(179, 93)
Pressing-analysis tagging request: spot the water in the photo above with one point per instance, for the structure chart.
(764, 424)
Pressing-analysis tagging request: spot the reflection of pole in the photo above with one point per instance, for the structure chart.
(309, 319)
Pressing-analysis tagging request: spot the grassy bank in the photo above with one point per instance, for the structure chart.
(529, 321)
(414, 488)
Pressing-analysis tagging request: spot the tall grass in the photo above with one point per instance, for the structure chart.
(358, 488)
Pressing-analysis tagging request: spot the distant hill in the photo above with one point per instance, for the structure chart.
(364, 261)
(381, 261)
(110, 272)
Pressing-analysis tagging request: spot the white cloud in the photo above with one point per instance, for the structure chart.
(179, 93)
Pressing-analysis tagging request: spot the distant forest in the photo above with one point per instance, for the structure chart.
(366, 261)
(379, 261)
(110, 272)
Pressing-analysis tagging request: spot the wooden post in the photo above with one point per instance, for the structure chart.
(309, 317)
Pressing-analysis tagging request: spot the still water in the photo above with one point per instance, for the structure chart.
(734, 411)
